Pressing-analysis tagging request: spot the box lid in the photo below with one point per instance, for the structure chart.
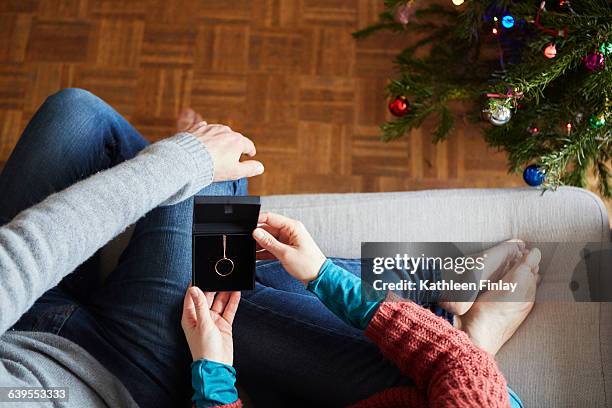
(225, 214)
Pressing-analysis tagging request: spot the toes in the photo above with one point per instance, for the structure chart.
(533, 258)
(536, 272)
(522, 272)
(185, 119)
(525, 283)
(519, 243)
(522, 269)
(187, 114)
(514, 248)
(197, 127)
(456, 308)
(526, 277)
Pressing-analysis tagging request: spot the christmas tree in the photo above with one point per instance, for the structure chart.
(537, 74)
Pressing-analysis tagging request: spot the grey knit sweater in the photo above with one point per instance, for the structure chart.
(44, 243)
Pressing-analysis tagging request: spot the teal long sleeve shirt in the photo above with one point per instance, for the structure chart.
(213, 383)
(343, 294)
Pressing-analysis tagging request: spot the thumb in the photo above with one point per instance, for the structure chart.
(250, 168)
(189, 317)
(200, 305)
(269, 243)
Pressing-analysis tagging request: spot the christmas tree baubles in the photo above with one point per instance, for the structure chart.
(399, 106)
(605, 48)
(498, 115)
(550, 51)
(594, 61)
(597, 121)
(533, 176)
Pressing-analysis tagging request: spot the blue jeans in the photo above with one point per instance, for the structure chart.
(289, 349)
(131, 322)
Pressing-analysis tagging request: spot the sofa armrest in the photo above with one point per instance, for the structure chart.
(464, 215)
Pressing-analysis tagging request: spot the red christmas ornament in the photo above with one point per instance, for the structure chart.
(399, 106)
(550, 51)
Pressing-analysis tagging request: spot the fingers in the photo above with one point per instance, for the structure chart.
(264, 255)
(196, 309)
(275, 220)
(226, 304)
(210, 297)
(200, 305)
(261, 253)
(220, 301)
(215, 129)
(189, 317)
(269, 243)
(250, 168)
(275, 232)
(248, 146)
(231, 307)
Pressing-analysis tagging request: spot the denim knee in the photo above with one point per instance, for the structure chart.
(75, 122)
(75, 105)
(79, 113)
(73, 99)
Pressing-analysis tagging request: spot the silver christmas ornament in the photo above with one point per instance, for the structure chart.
(500, 115)
(579, 117)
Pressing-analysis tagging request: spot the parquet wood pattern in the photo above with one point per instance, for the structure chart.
(287, 73)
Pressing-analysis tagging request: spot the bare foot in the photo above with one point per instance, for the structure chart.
(497, 262)
(187, 118)
(496, 315)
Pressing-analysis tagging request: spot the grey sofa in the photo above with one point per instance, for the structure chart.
(562, 355)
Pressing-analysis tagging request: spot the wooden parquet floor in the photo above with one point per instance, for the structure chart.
(287, 73)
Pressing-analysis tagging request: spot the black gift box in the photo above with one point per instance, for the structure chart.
(216, 217)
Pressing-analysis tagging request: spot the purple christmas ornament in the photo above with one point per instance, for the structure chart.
(594, 61)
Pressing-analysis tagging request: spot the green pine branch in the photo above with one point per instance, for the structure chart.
(451, 55)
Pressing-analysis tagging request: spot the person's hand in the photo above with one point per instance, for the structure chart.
(288, 241)
(225, 147)
(207, 323)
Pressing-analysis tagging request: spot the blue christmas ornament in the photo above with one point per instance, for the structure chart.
(508, 21)
(533, 175)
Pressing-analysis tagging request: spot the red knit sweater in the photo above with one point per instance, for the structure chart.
(449, 371)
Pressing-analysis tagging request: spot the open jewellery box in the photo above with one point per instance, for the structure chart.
(223, 248)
